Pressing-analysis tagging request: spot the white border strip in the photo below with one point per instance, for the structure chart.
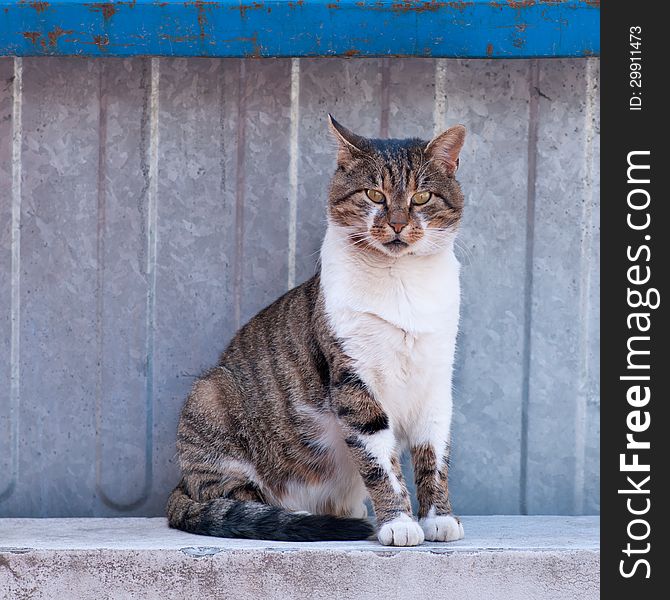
(15, 301)
(585, 288)
(440, 106)
(152, 216)
(293, 170)
(17, 142)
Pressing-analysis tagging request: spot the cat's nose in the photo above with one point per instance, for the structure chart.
(397, 221)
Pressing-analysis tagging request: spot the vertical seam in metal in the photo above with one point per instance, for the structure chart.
(293, 170)
(239, 191)
(152, 249)
(15, 300)
(385, 97)
(584, 290)
(151, 190)
(533, 109)
(440, 103)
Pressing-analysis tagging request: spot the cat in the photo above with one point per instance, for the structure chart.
(306, 413)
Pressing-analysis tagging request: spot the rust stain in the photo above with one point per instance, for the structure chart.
(32, 36)
(419, 7)
(333, 4)
(352, 52)
(202, 19)
(108, 9)
(57, 33)
(252, 40)
(518, 42)
(460, 6)
(101, 41)
(489, 49)
(257, 49)
(405, 6)
(179, 38)
(39, 6)
(529, 3)
(521, 3)
(243, 8)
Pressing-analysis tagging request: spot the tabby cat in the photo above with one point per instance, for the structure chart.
(306, 413)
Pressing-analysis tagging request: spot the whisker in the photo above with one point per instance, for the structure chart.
(465, 250)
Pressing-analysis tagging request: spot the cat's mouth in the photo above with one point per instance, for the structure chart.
(396, 244)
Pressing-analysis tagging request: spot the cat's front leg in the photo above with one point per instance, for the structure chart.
(374, 449)
(431, 469)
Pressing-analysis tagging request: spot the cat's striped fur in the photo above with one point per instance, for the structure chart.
(309, 407)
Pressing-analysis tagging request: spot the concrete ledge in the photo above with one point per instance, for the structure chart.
(506, 558)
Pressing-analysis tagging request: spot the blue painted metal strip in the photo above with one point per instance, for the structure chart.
(476, 28)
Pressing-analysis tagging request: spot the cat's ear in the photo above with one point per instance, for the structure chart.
(349, 144)
(446, 147)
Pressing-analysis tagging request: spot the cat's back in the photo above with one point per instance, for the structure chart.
(260, 366)
(279, 340)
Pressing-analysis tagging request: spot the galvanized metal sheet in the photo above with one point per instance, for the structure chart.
(263, 188)
(233, 28)
(163, 201)
(123, 423)
(195, 121)
(58, 351)
(491, 98)
(8, 416)
(588, 498)
(562, 386)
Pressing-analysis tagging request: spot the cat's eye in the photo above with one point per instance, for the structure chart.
(375, 195)
(421, 197)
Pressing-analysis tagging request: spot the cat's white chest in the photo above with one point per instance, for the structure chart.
(398, 325)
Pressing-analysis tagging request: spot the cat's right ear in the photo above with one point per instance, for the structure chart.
(446, 147)
(349, 144)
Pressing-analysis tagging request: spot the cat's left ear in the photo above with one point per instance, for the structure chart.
(446, 148)
(350, 145)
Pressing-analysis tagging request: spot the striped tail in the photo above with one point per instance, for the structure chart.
(226, 517)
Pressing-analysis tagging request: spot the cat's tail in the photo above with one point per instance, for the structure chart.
(226, 517)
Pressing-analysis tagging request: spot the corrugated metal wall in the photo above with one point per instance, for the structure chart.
(148, 207)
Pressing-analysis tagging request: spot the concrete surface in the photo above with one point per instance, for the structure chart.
(148, 207)
(502, 557)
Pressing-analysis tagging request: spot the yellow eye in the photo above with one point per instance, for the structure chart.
(375, 195)
(421, 197)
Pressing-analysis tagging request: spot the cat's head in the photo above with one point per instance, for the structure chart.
(397, 197)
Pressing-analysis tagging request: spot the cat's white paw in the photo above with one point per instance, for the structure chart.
(401, 531)
(442, 528)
